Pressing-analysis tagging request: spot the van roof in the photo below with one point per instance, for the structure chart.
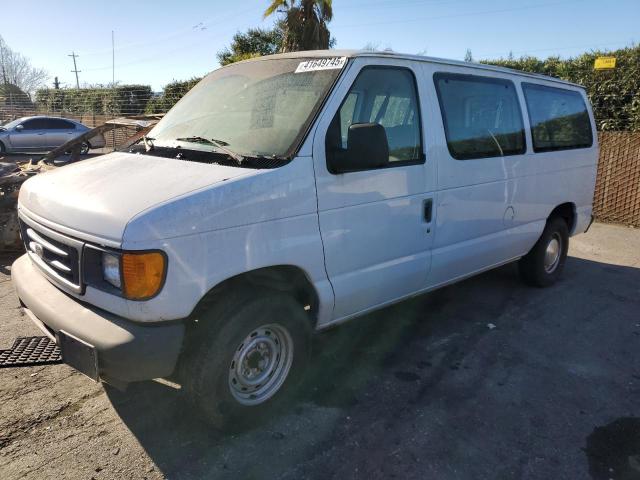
(404, 56)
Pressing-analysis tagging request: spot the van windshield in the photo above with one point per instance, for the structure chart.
(259, 108)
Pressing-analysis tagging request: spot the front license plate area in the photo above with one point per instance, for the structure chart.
(79, 354)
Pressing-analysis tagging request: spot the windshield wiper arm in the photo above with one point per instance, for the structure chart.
(148, 143)
(216, 143)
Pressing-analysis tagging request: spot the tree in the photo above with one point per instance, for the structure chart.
(371, 47)
(468, 57)
(16, 69)
(613, 93)
(255, 42)
(304, 23)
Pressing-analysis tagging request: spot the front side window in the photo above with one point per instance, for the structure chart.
(35, 124)
(386, 96)
(481, 116)
(258, 108)
(559, 118)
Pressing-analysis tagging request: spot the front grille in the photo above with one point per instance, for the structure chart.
(57, 255)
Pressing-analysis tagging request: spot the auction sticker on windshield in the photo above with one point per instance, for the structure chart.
(321, 64)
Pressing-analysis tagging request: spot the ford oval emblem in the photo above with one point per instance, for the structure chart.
(38, 250)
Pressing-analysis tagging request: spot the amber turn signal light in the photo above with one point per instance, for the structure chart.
(142, 274)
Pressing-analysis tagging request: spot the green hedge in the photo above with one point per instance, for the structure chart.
(172, 92)
(122, 100)
(614, 94)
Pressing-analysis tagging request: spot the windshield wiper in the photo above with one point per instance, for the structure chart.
(216, 143)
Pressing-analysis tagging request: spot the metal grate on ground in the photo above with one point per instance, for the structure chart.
(29, 351)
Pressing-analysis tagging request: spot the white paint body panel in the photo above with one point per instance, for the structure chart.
(360, 238)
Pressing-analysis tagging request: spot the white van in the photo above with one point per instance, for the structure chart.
(287, 194)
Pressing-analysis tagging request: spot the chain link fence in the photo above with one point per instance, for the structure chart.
(92, 107)
(616, 199)
(617, 195)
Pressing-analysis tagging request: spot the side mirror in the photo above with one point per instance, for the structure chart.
(19, 128)
(367, 148)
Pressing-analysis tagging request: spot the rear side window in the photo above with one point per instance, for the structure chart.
(559, 118)
(59, 124)
(481, 115)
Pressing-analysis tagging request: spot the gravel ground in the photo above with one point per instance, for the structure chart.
(486, 379)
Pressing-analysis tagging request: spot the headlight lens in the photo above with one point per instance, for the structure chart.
(111, 269)
(143, 274)
(138, 276)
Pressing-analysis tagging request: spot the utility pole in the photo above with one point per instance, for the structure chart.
(75, 68)
(113, 60)
(56, 83)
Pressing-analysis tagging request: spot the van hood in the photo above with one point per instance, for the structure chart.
(98, 197)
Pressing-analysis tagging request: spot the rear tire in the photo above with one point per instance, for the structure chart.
(84, 148)
(247, 360)
(543, 265)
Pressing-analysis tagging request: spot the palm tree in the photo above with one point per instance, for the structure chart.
(304, 23)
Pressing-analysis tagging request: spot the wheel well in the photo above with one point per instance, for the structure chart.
(567, 211)
(2, 146)
(282, 278)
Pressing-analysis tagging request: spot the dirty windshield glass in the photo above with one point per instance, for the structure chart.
(255, 108)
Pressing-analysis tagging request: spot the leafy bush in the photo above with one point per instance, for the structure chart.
(172, 92)
(121, 100)
(614, 94)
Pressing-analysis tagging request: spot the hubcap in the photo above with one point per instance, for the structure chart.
(261, 364)
(552, 253)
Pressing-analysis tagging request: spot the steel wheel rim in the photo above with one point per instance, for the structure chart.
(552, 253)
(260, 364)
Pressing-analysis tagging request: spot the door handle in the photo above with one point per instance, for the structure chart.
(427, 207)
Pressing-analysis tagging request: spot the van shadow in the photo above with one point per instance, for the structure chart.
(419, 340)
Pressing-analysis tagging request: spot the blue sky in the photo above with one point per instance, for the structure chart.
(161, 40)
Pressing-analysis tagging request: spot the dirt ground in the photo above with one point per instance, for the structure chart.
(486, 379)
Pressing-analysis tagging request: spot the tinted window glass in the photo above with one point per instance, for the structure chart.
(559, 118)
(481, 116)
(59, 124)
(386, 96)
(35, 124)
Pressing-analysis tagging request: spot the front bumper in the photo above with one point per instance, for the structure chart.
(126, 351)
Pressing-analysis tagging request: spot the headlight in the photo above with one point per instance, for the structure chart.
(111, 269)
(143, 274)
(139, 276)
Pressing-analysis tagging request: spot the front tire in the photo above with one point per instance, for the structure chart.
(543, 265)
(248, 358)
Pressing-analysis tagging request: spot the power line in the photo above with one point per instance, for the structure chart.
(75, 68)
(455, 15)
(180, 33)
